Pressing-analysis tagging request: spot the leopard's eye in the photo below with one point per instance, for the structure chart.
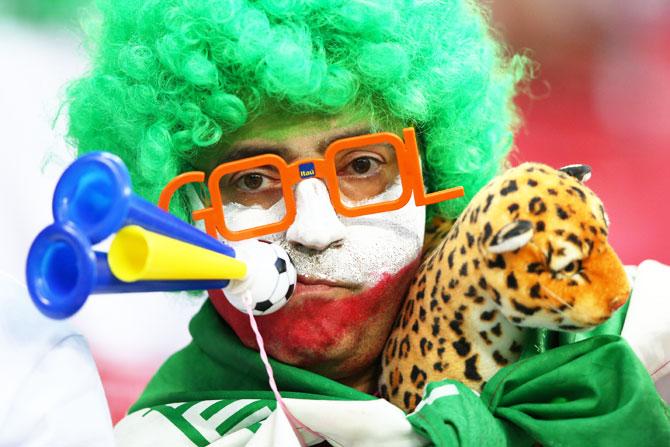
(571, 267)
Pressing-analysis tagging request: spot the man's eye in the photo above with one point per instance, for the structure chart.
(363, 166)
(251, 182)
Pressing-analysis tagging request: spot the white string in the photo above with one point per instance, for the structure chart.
(293, 421)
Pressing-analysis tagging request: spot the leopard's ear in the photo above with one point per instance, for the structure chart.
(580, 172)
(512, 236)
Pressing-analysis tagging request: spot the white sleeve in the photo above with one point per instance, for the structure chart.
(50, 390)
(647, 325)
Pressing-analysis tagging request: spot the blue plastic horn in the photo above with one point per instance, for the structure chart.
(63, 270)
(94, 195)
(93, 200)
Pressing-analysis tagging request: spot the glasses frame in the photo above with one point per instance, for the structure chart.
(409, 167)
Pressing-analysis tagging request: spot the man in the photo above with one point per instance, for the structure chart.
(182, 85)
(352, 271)
(297, 76)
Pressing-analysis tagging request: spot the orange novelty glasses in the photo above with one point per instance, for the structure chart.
(234, 181)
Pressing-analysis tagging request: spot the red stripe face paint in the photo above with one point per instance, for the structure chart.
(332, 330)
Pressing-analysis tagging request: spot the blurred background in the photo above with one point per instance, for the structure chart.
(601, 96)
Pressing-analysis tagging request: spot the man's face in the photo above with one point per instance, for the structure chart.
(352, 272)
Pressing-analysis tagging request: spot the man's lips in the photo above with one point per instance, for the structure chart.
(307, 287)
(306, 280)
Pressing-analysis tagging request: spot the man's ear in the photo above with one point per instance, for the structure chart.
(580, 172)
(512, 236)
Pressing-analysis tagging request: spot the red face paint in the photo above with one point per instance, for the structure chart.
(330, 330)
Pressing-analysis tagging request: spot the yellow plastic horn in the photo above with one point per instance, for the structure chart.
(138, 254)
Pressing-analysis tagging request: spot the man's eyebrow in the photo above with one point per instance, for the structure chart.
(251, 150)
(357, 132)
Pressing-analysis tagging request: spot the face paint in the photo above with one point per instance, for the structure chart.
(276, 124)
(329, 330)
(353, 272)
(347, 296)
(317, 225)
(367, 246)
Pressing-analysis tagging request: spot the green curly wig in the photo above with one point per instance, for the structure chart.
(170, 78)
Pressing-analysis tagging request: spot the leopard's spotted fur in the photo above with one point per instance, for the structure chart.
(530, 250)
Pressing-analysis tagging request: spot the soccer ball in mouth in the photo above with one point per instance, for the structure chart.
(270, 280)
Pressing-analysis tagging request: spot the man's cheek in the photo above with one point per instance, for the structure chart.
(373, 246)
(384, 243)
(315, 330)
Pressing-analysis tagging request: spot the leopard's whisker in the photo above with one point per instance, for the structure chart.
(555, 296)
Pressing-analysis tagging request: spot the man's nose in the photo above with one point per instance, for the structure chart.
(316, 224)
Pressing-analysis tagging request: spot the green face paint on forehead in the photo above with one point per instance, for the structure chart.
(277, 126)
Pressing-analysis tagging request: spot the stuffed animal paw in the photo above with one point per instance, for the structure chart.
(530, 250)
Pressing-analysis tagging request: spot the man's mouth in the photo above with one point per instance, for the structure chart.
(321, 288)
(313, 281)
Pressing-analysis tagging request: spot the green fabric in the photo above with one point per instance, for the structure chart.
(458, 420)
(177, 416)
(215, 365)
(593, 391)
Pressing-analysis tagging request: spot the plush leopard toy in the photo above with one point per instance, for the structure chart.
(530, 250)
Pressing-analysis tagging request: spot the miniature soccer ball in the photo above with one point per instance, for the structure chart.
(270, 280)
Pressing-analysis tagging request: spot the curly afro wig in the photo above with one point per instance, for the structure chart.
(170, 78)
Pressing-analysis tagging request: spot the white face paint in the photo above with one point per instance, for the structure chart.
(354, 251)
